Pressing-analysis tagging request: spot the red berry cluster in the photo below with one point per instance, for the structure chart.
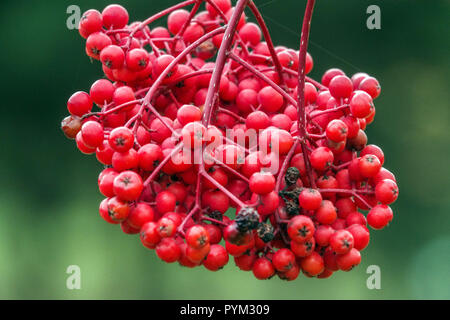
(204, 116)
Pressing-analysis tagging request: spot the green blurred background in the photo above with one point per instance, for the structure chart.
(48, 191)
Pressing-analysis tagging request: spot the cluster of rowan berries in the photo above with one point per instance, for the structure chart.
(211, 150)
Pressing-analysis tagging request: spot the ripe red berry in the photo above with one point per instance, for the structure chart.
(115, 17)
(340, 87)
(176, 20)
(121, 139)
(118, 209)
(165, 202)
(379, 216)
(374, 150)
(188, 113)
(91, 21)
(326, 213)
(168, 250)
(300, 229)
(150, 155)
(106, 182)
(149, 235)
(102, 92)
(369, 165)
(257, 120)
(217, 258)
(79, 104)
(167, 227)
(95, 43)
(321, 158)
(337, 130)
(341, 241)
(310, 199)
(140, 215)
(348, 261)
(361, 104)
(82, 146)
(371, 86)
(92, 134)
(262, 183)
(270, 99)
(125, 160)
(386, 191)
(197, 237)
(313, 264)
(361, 236)
(222, 5)
(128, 186)
(263, 269)
(112, 57)
(283, 260)
(303, 249)
(250, 33)
(330, 74)
(137, 59)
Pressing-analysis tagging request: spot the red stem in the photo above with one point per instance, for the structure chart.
(301, 85)
(268, 38)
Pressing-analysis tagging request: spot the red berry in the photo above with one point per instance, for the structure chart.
(128, 185)
(90, 22)
(270, 99)
(250, 33)
(165, 202)
(79, 104)
(217, 258)
(321, 158)
(140, 215)
(341, 241)
(197, 237)
(361, 236)
(371, 86)
(118, 209)
(303, 249)
(121, 139)
(310, 199)
(361, 104)
(341, 87)
(92, 134)
(262, 183)
(374, 150)
(125, 160)
(369, 165)
(326, 213)
(313, 264)
(386, 191)
(300, 229)
(150, 155)
(337, 130)
(112, 57)
(348, 261)
(379, 216)
(168, 250)
(115, 17)
(283, 260)
(149, 235)
(263, 269)
(137, 59)
(102, 92)
(95, 43)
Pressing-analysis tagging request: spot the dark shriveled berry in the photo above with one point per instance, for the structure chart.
(71, 125)
(247, 219)
(265, 232)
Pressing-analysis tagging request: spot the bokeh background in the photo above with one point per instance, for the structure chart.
(48, 192)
